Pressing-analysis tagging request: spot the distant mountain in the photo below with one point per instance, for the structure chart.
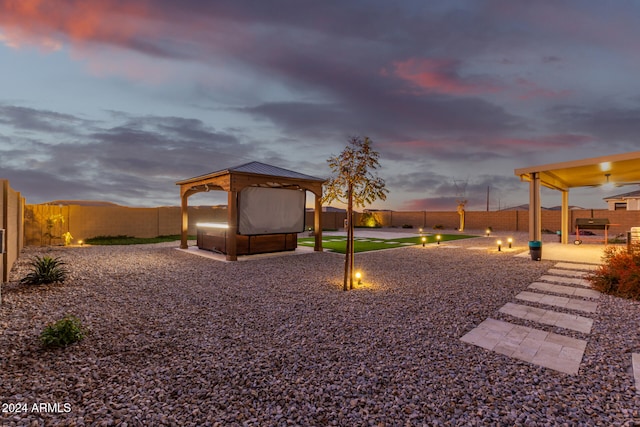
(525, 207)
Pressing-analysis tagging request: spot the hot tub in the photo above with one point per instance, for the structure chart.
(213, 237)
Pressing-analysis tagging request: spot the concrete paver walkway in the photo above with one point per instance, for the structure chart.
(551, 350)
(531, 345)
(549, 317)
(558, 301)
(566, 290)
(567, 280)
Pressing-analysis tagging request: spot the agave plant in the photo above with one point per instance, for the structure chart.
(46, 270)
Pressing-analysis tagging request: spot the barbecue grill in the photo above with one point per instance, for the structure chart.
(592, 224)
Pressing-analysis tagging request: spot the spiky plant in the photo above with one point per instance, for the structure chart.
(46, 270)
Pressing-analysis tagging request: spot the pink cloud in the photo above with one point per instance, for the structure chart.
(439, 76)
(38, 21)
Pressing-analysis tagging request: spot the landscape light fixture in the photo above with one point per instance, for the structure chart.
(359, 277)
(424, 239)
(488, 231)
(499, 245)
(81, 242)
(438, 237)
(510, 241)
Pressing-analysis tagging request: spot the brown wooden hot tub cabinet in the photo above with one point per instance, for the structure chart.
(215, 239)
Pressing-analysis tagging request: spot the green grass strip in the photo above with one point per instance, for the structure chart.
(375, 244)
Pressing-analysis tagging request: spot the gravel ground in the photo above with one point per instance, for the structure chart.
(177, 339)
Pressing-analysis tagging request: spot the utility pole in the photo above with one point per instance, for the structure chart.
(488, 198)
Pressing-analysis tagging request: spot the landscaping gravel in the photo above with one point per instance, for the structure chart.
(176, 339)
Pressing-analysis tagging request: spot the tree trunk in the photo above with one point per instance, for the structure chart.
(348, 260)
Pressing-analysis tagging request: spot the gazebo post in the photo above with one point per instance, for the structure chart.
(232, 222)
(317, 222)
(184, 210)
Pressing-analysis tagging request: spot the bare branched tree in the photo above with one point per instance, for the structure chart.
(354, 183)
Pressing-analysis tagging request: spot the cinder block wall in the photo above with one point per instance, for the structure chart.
(90, 221)
(84, 222)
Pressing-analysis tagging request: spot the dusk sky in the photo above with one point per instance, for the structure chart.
(116, 100)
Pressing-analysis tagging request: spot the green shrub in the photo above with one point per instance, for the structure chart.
(46, 270)
(619, 274)
(63, 332)
(370, 219)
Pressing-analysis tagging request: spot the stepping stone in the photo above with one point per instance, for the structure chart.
(408, 244)
(556, 301)
(569, 273)
(635, 362)
(377, 241)
(569, 280)
(566, 290)
(549, 317)
(574, 266)
(391, 243)
(535, 346)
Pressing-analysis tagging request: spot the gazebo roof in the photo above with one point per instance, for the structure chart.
(255, 168)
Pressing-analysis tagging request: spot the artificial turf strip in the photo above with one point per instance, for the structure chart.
(374, 244)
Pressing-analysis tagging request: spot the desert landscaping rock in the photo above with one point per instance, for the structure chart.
(177, 339)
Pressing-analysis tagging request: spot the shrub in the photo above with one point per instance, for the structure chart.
(45, 270)
(619, 274)
(370, 219)
(63, 332)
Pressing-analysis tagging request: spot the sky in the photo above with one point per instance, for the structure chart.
(116, 100)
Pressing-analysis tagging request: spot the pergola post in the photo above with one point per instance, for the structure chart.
(535, 209)
(232, 222)
(184, 211)
(564, 226)
(317, 222)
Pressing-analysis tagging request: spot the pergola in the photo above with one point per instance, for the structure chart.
(619, 169)
(234, 179)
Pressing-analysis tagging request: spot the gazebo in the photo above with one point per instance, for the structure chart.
(253, 174)
(618, 169)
